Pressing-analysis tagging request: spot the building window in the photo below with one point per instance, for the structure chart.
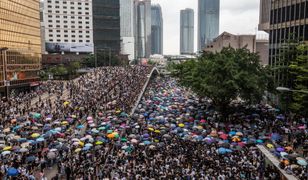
(80, 41)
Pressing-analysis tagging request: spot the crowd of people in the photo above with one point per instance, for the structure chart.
(171, 135)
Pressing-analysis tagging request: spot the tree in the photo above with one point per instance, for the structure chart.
(299, 70)
(225, 76)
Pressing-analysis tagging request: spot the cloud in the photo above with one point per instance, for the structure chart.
(236, 16)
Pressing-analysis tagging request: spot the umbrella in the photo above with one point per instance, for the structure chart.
(270, 146)
(30, 159)
(181, 125)
(7, 148)
(152, 147)
(224, 136)
(146, 142)
(4, 153)
(86, 148)
(280, 149)
(259, 141)
(275, 137)
(98, 142)
(51, 155)
(110, 136)
(77, 150)
(236, 139)
(239, 134)
(35, 135)
(80, 126)
(12, 172)
(88, 145)
(283, 154)
(302, 162)
(134, 141)
(40, 139)
(22, 150)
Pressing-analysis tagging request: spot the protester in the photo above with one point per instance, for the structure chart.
(87, 133)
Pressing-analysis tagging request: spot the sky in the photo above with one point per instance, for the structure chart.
(236, 17)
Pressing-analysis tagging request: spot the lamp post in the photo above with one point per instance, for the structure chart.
(4, 71)
(287, 90)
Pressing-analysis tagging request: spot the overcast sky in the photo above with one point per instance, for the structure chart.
(236, 16)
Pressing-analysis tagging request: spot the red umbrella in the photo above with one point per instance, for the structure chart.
(224, 136)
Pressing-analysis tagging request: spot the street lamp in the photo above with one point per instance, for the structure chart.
(4, 71)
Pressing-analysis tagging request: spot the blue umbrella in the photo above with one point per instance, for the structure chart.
(222, 150)
(232, 133)
(40, 139)
(80, 126)
(86, 148)
(22, 140)
(259, 141)
(146, 142)
(302, 162)
(275, 137)
(30, 159)
(12, 172)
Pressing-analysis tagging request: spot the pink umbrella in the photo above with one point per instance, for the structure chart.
(301, 127)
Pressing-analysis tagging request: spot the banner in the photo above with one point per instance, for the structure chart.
(69, 47)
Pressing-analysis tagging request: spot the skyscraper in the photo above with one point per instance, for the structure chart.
(287, 22)
(157, 29)
(143, 28)
(20, 43)
(127, 28)
(208, 21)
(187, 31)
(106, 25)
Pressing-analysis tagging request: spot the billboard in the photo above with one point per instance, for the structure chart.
(69, 47)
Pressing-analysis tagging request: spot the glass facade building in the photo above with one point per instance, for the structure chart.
(187, 31)
(157, 30)
(106, 25)
(208, 22)
(143, 28)
(20, 35)
(127, 28)
(288, 21)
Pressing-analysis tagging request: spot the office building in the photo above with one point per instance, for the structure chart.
(142, 28)
(235, 41)
(208, 21)
(251, 42)
(68, 26)
(106, 25)
(20, 44)
(187, 31)
(157, 29)
(127, 28)
(264, 16)
(288, 20)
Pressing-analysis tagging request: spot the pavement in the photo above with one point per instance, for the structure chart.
(275, 162)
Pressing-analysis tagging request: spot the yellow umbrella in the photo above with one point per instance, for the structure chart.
(181, 125)
(98, 142)
(199, 127)
(7, 148)
(157, 131)
(270, 146)
(151, 129)
(81, 143)
(118, 111)
(35, 135)
(156, 140)
(77, 150)
(66, 103)
(64, 123)
(74, 116)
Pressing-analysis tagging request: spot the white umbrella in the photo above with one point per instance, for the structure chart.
(51, 155)
(5, 153)
(22, 150)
